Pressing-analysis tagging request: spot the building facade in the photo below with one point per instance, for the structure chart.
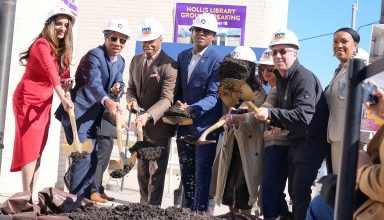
(263, 17)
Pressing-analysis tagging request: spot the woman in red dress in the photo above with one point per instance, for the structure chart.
(47, 59)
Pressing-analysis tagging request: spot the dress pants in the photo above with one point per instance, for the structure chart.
(196, 169)
(151, 177)
(105, 147)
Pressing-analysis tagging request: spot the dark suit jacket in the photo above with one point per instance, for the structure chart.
(94, 78)
(201, 91)
(155, 95)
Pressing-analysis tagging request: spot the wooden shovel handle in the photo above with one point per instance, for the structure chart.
(118, 133)
(72, 119)
(215, 126)
(139, 130)
(255, 109)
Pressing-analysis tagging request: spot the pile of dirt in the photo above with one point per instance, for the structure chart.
(176, 111)
(138, 211)
(234, 68)
(120, 173)
(146, 150)
(77, 156)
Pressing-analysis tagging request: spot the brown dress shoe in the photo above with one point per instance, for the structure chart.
(104, 196)
(96, 197)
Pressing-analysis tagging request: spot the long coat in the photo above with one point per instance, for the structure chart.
(250, 139)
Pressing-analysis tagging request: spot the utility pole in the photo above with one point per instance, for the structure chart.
(382, 12)
(7, 21)
(355, 8)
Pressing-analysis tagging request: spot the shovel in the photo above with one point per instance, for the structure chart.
(231, 91)
(76, 145)
(127, 163)
(174, 120)
(203, 137)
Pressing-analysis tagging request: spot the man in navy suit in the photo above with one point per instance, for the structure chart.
(197, 93)
(99, 74)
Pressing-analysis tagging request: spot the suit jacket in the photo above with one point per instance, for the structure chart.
(337, 106)
(155, 94)
(201, 91)
(94, 78)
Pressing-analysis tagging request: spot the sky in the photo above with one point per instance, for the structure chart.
(309, 18)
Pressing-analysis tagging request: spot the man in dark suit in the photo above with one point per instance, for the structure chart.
(197, 72)
(100, 72)
(151, 86)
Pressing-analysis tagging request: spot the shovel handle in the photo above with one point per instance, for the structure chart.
(72, 119)
(118, 133)
(215, 126)
(255, 109)
(139, 130)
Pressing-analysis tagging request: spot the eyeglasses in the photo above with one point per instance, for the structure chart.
(268, 68)
(121, 40)
(281, 51)
(205, 31)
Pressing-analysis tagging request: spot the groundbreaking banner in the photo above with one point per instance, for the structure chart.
(231, 20)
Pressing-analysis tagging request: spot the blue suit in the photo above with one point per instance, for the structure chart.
(94, 78)
(201, 93)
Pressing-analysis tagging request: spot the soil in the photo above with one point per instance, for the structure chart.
(138, 211)
(77, 156)
(176, 111)
(120, 173)
(234, 68)
(146, 150)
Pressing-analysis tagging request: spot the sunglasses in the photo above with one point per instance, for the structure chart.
(205, 31)
(268, 68)
(121, 40)
(281, 51)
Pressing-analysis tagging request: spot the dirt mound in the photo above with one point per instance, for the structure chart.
(176, 111)
(139, 212)
(234, 68)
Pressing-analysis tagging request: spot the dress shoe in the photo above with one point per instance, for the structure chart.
(104, 196)
(96, 197)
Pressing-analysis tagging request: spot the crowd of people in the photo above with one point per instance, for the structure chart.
(295, 125)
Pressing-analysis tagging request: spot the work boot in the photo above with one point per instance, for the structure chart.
(96, 197)
(104, 196)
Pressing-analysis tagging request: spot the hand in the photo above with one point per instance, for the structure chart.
(184, 106)
(275, 131)
(363, 159)
(125, 126)
(67, 104)
(112, 106)
(262, 114)
(67, 83)
(115, 90)
(132, 105)
(143, 118)
(378, 108)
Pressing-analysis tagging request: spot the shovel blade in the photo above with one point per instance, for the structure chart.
(87, 147)
(177, 120)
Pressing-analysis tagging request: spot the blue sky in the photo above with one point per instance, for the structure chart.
(312, 18)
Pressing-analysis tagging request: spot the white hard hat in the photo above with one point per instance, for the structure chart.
(60, 10)
(119, 25)
(206, 21)
(266, 58)
(244, 53)
(284, 36)
(150, 29)
(362, 54)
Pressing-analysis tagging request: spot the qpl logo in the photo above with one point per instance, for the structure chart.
(279, 35)
(267, 55)
(146, 31)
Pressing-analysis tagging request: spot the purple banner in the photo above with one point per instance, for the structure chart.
(71, 5)
(231, 20)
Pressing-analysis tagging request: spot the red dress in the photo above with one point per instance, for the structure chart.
(32, 103)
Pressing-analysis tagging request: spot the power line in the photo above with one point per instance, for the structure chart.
(323, 35)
